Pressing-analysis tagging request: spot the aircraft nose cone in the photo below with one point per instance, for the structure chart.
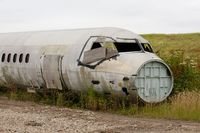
(154, 81)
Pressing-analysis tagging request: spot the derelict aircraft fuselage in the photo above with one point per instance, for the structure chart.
(110, 60)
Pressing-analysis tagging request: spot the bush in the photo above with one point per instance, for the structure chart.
(185, 71)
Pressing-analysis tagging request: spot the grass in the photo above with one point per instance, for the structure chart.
(165, 43)
(184, 105)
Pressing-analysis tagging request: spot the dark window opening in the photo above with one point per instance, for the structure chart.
(147, 47)
(3, 57)
(20, 58)
(8, 58)
(15, 58)
(96, 45)
(27, 58)
(127, 47)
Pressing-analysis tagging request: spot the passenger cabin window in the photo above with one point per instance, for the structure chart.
(147, 47)
(8, 58)
(127, 47)
(15, 58)
(20, 58)
(3, 57)
(27, 58)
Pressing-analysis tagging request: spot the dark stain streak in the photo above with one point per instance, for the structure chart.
(96, 82)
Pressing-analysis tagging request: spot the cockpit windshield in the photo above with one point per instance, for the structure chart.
(118, 46)
(127, 47)
(147, 47)
(123, 46)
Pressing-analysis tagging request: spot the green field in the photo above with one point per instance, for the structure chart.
(166, 43)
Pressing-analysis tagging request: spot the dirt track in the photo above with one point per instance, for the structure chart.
(26, 117)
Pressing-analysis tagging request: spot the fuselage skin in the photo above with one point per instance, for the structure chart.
(53, 55)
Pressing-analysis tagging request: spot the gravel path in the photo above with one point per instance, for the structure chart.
(27, 117)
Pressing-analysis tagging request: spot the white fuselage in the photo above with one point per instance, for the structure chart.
(48, 59)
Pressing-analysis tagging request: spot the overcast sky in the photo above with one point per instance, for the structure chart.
(140, 16)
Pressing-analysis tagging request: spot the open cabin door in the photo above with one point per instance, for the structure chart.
(51, 71)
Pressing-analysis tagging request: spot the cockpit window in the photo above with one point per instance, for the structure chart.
(96, 45)
(147, 47)
(127, 47)
(118, 46)
(110, 45)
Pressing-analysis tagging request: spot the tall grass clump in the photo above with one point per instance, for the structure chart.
(184, 105)
(105, 102)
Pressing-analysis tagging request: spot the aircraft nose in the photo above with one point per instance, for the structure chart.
(154, 81)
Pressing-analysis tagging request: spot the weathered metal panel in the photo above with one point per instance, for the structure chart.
(111, 53)
(63, 37)
(94, 55)
(51, 71)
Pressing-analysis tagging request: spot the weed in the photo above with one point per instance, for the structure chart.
(60, 100)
